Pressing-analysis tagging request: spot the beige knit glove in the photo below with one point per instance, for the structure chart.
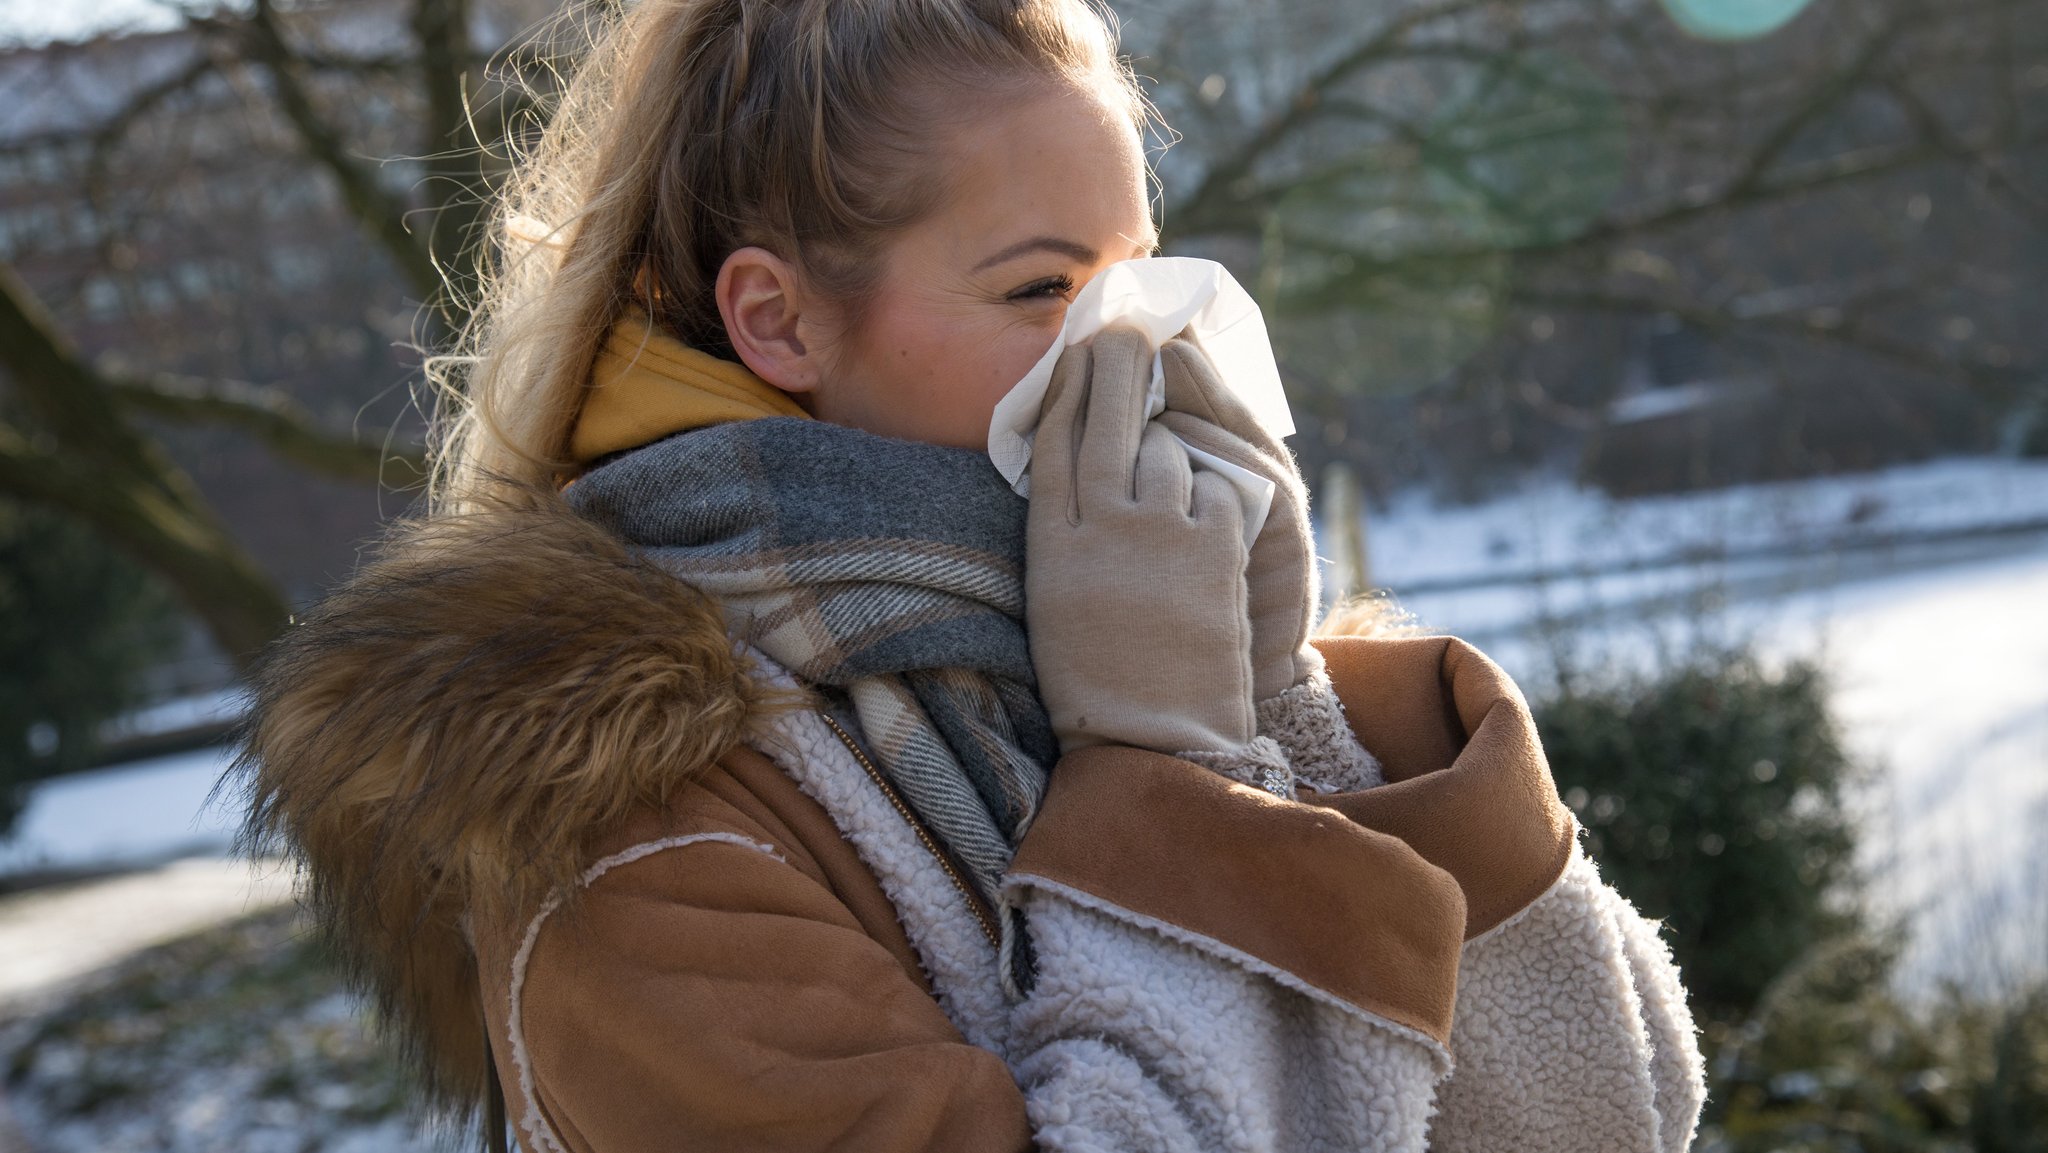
(1134, 574)
(1282, 582)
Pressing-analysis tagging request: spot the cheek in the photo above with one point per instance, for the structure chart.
(983, 367)
(968, 360)
(1009, 357)
(934, 370)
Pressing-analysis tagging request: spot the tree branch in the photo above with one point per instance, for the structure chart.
(1206, 207)
(110, 132)
(271, 416)
(35, 476)
(1843, 168)
(1997, 180)
(379, 212)
(442, 28)
(1831, 94)
(236, 602)
(64, 395)
(106, 473)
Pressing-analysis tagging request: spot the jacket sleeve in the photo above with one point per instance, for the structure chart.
(1570, 1031)
(1221, 970)
(702, 993)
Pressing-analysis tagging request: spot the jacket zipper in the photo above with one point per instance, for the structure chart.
(982, 915)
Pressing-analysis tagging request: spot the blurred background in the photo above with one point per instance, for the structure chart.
(1688, 356)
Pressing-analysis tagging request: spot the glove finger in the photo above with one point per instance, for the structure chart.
(1209, 437)
(1281, 572)
(1193, 387)
(1166, 477)
(1119, 376)
(1290, 503)
(1217, 507)
(1054, 445)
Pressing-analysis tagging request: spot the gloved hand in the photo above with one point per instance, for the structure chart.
(1282, 581)
(1134, 574)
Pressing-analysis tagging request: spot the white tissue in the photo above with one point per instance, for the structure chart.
(1161, 296)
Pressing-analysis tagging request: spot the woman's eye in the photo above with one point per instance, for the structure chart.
(1051, 286)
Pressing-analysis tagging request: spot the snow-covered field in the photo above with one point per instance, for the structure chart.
(1941, 677)
(1924, 592)
(1553, 526)
(135, 814)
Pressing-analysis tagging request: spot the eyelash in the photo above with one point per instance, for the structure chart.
(1050, 286)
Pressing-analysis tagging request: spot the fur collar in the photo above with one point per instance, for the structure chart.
(441, 737)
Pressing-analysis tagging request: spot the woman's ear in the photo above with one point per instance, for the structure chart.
(761, 301)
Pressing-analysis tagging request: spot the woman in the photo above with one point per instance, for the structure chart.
(730, 760)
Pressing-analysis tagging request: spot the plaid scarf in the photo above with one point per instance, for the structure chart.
(889, 571)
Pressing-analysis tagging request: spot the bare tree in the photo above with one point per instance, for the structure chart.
(76, 434)
(1431, 198)
(1427, 192)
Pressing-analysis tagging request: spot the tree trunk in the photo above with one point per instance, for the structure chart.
(1344, 526)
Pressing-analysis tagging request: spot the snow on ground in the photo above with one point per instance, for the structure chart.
(1929, 615)
(138, 813)
(242, 1038)
(1552, 526)
(51, 936)
(1941, 678)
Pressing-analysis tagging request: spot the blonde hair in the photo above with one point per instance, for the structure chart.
(698, 127)
(1372, 614)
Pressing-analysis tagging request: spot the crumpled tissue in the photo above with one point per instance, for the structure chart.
(1161, 296)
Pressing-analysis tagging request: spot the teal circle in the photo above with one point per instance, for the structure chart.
(1734, 19)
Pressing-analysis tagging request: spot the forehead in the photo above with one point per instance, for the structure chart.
(1048, 160)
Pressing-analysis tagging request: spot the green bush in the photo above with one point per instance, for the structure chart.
(79, 626)
(1712, 797)
(1833, 1060)
(2008, 1086)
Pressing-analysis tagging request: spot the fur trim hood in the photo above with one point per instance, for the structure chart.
(441, 738)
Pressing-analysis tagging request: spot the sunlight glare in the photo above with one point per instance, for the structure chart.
(1734, 19)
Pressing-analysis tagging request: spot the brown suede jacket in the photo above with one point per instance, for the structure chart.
(544, 815)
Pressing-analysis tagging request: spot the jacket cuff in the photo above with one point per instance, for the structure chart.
(1355, 915)
(1467, 785)
(1262, 764)
(1308, 722)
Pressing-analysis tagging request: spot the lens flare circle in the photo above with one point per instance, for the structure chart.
(1734, 19)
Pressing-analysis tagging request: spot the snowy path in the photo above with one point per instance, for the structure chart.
(151, 817)
(50, 936)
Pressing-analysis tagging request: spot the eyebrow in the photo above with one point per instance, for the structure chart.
(1078, 252)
